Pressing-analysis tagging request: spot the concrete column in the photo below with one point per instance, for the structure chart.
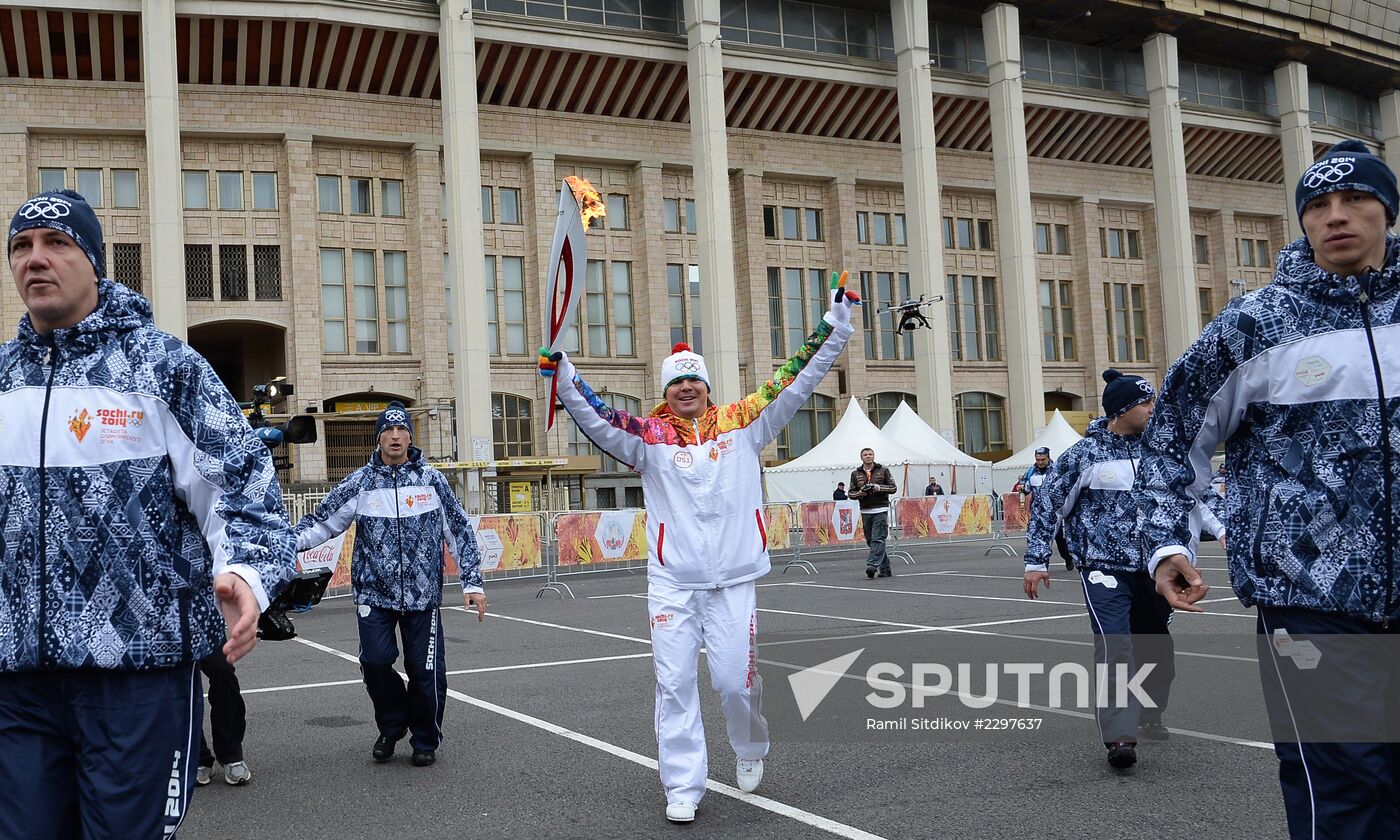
(541, 208)
(1390, 128)
(1089, 302)
(709, 141)
(306, 345)
(933, 363)
(650, 305)
(1016, 250)
(167, 215)
(1176, 268)
(750, 252)
(1291, 82)
(845, 254)
(427, 296)
(462, 157)
(14, 158)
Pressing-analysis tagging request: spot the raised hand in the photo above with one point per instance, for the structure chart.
(549, 362)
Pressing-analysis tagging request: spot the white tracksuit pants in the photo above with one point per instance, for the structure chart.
(724, 621)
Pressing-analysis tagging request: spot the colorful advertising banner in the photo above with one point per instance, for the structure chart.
(943, 517)
(507, 544)
(830, 523)
(777, 522)
(613, 536)
(1015, 515)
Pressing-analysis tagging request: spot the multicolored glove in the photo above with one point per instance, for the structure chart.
(843, 300)
(549, 362)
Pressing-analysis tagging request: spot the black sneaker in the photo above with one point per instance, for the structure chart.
(1156, 731)
(869, 572)
(384, 748)
(424, 758)
(1069, 565)
(886, 573)
(1122, 755)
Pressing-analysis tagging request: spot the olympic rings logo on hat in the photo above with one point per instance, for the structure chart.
(44, 208)
(1144, 386)
(395, 416)
(687, 366)
(1327, 172)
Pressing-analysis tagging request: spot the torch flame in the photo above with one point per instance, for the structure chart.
(589, 201)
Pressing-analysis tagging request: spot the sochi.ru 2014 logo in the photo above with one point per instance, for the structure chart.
(79, 424)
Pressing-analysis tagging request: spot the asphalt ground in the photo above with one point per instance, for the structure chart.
(549, 725)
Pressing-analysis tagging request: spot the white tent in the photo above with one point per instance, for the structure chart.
(1058, 435)
(813, 476)
(955, 470)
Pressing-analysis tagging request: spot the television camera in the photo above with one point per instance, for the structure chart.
(307, 588)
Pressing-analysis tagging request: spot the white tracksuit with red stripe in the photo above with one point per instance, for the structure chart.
(707, 546)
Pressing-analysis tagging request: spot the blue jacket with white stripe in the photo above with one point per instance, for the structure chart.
(403, 515)
(130, 479)
(1299, 380)
(1088, 495)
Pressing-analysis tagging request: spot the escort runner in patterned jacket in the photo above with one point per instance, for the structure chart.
(138, 513)
(398, 556)
(1311, 485)
(1093, 478)
(163, 486)
(1088, 495)
(404, 512)
(1300, 381)
(706, 540)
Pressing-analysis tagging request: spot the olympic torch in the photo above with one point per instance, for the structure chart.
(579, 203)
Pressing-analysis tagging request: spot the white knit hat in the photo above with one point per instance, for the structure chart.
(683, 363)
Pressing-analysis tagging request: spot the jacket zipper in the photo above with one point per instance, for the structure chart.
(1386, 479)
(44, 505)
(398, 524)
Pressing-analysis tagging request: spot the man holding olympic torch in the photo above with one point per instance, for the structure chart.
(706, 541)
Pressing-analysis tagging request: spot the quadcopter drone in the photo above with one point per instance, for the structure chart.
(910, 313)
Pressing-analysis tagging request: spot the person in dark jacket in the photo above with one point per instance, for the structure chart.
(933, 488)
(138, 506)
(1087, 496)
(403, 511)
(839, 494)
(872, 484)
(1299, 381)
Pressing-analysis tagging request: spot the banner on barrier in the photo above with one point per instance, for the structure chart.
(605, 537)
(831, 523)
(944, 516)
(777, 522)
(1015, 514)
(327, 555)
(507, 543)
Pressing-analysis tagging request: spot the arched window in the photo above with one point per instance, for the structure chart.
(881, 407)
(513, 426)
(813, 421)
(981, 422)
(579, 444)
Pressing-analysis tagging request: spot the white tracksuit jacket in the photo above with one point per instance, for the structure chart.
(702, 477)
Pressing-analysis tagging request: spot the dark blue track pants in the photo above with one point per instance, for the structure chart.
(98, 755)
(417, 707)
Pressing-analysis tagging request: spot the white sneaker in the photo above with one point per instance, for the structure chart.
(680, 812)
(237, 773)
(748, 772)
(201, 776)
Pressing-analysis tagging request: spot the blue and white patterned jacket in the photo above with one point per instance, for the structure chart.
(402, 513)
(1088, 495)
(131, 479)
(1289, 379)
